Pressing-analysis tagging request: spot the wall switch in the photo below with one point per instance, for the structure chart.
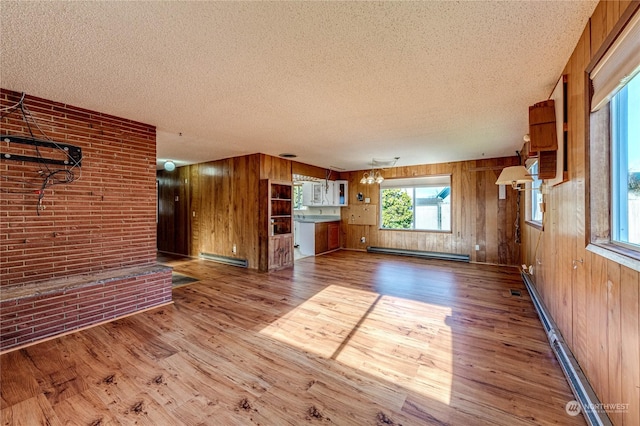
(477, 247)
(177, 198)
(367, 200)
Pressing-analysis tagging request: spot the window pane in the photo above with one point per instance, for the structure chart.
(421, 207)
(625, 154)
(397, 208)
(535, 195)
(297, 198)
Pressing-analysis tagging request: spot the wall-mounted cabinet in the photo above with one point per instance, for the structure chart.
(276, 224)
(326, 193)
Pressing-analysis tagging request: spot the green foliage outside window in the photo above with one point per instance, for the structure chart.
(396, 209)
(297, 197)
(634, 182)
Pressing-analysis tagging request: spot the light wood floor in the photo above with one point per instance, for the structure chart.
(347, 338)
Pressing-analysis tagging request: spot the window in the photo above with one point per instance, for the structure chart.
(534, 213)
(614, 146)
(416, 203)
(625, 164)
(297, 197)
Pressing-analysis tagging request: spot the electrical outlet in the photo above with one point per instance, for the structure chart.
(234, 249)
(194, 213)
(477, 247)
(363, 240)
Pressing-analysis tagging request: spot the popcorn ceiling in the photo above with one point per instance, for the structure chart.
(336, 83)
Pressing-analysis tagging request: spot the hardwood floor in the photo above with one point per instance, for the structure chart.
(346, 338)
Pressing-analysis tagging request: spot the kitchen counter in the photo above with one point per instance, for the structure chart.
(316, 218)
(318, 235)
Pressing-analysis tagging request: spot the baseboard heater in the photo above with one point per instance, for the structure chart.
(420, 253)
(227, 260)
(582, 390)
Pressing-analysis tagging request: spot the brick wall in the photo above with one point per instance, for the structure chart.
(29, 318)
(97, 233)
(104, 220)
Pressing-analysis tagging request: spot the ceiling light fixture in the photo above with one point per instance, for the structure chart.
(169, 166)
(372, 176)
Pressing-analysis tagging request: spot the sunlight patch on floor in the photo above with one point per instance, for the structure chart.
(402, 341)
(322, 323)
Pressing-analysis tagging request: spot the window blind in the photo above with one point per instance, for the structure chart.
(437, 180)
(619, 65)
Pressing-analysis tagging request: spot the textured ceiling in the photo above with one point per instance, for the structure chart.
(337, 83)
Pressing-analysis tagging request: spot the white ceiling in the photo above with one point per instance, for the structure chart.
(337, 83)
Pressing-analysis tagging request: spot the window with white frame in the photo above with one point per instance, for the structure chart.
(625, 164)
(416, 203)
(534, 212)
(297, 198)
(614, 160)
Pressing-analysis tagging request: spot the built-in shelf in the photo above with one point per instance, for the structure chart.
(276, 238)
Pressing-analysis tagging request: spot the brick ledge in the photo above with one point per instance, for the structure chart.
(13, 292)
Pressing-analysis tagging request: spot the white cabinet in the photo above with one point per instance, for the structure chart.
(326, 193)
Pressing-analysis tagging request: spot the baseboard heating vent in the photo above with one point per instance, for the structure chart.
(578, 382)
(233, 261)
(420, 253)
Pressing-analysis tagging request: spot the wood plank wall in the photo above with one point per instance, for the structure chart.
(217, 206)
(478, 216)
(596, 305)
(224, 196)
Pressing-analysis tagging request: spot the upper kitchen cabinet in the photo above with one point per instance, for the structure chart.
(326, 193)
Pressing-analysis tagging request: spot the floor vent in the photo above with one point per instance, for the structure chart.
(516, 293)
(580, 386)
(420, 253)
(233, 261)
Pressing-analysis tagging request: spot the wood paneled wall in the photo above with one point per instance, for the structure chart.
(478, 216)
(596, 305)
(217, 206)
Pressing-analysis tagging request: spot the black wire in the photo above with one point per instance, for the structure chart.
(49, 177)
(25, 117)
(50, 180)
(13, 108)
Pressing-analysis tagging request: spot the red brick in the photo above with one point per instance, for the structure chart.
(104, 221)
